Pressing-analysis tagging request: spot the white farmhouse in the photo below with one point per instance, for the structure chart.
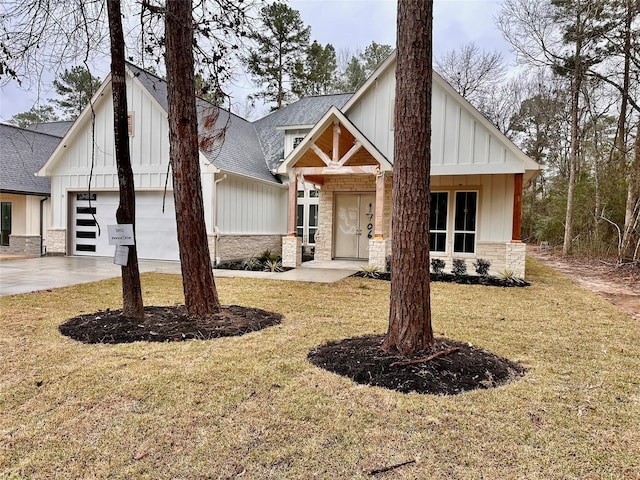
(316, 173)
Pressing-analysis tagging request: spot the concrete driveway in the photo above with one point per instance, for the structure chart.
(31, 274)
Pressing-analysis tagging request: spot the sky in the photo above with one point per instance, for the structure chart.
(351, 24)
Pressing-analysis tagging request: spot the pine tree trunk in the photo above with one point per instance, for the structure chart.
(132, 304)
(201, 297)
(632, 207)
(410, 304)
(576, 85)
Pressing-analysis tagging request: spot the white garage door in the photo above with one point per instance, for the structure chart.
(155, 230)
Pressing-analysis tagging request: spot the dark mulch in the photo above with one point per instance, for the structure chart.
(166, 324)
(450, 278)
(467, 368)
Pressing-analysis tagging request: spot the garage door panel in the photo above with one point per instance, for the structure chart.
(155, 230)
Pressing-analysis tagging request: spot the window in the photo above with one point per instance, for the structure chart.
(464, 233)
(314, 193)
(86, 210)
(300, 221)
(297, 141)
(300, 193)
(438, 222)
(313, 223)
(5, 233)
(86, 196)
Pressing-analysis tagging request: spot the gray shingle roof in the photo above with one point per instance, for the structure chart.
(240, 152)
(22, 153)
(57, 129)
(306, 111)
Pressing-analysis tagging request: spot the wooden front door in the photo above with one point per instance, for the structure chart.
(354, 216)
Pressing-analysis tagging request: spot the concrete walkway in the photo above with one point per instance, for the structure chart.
(42, 273)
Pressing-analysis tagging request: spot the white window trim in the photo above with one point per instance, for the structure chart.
(453, 220)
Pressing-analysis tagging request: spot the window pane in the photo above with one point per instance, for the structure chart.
(300, 193)
(438, 213)
(87, 210)
(313, 215)
(312, 235)
(85, 248)
(300, 218)
(437, 242)
(299, 232)
(464, 242)
(85, 223)
(314, 193)
(466, 211)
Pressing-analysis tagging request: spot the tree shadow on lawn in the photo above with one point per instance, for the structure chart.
(448, 368)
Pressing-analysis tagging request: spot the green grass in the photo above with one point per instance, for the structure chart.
(253, 404)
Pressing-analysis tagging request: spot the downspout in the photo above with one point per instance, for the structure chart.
(43, 249)
(216, 231)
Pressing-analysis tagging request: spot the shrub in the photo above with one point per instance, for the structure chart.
(510, 277)
(268, 256)
(388, 263)
(272, 265)
(437, 265)
(482, 267)
(459, 267)
(251, 263)
(370, 271)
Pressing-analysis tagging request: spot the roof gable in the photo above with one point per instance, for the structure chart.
(312, 150)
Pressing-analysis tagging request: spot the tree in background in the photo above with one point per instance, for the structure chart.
(473, 72)
(410, 328)
(37, 114)
(316, 75)
(75, 88)
(280, 46)
(352, 77)
(374, 54)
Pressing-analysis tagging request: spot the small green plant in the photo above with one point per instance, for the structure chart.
(459, 268)
(251, 263)
(370, 271)
(272, 265)
(437, 265)
(267, 255)
(482, 267)
(510, 277)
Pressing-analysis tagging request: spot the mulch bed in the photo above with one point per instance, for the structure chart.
(450, 278)
(461, 368)
(166, 324)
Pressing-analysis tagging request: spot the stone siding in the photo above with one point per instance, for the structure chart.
(24, 245)
(516, 258)
(291, 252)
(378, 253)
(231, 247)
(56, 241)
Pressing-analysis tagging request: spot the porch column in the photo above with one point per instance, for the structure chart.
(379, 232)
(293, 203)
(378, 244)
(517, 208)
(292, 244)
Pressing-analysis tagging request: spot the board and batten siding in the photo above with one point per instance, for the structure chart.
(149, 146)
(249, 207)
(495, 202)
(461, 142)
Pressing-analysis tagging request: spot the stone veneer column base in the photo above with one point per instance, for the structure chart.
(378, 253)
(56, 241)
(24, 245)
(291, 252)
(515, 258)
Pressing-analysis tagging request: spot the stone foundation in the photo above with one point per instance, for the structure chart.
(24, 245)
(231, 247)
(503, 256)
(56, 241)
(291, 251)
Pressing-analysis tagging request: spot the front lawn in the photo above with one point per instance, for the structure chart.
(253, 407)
